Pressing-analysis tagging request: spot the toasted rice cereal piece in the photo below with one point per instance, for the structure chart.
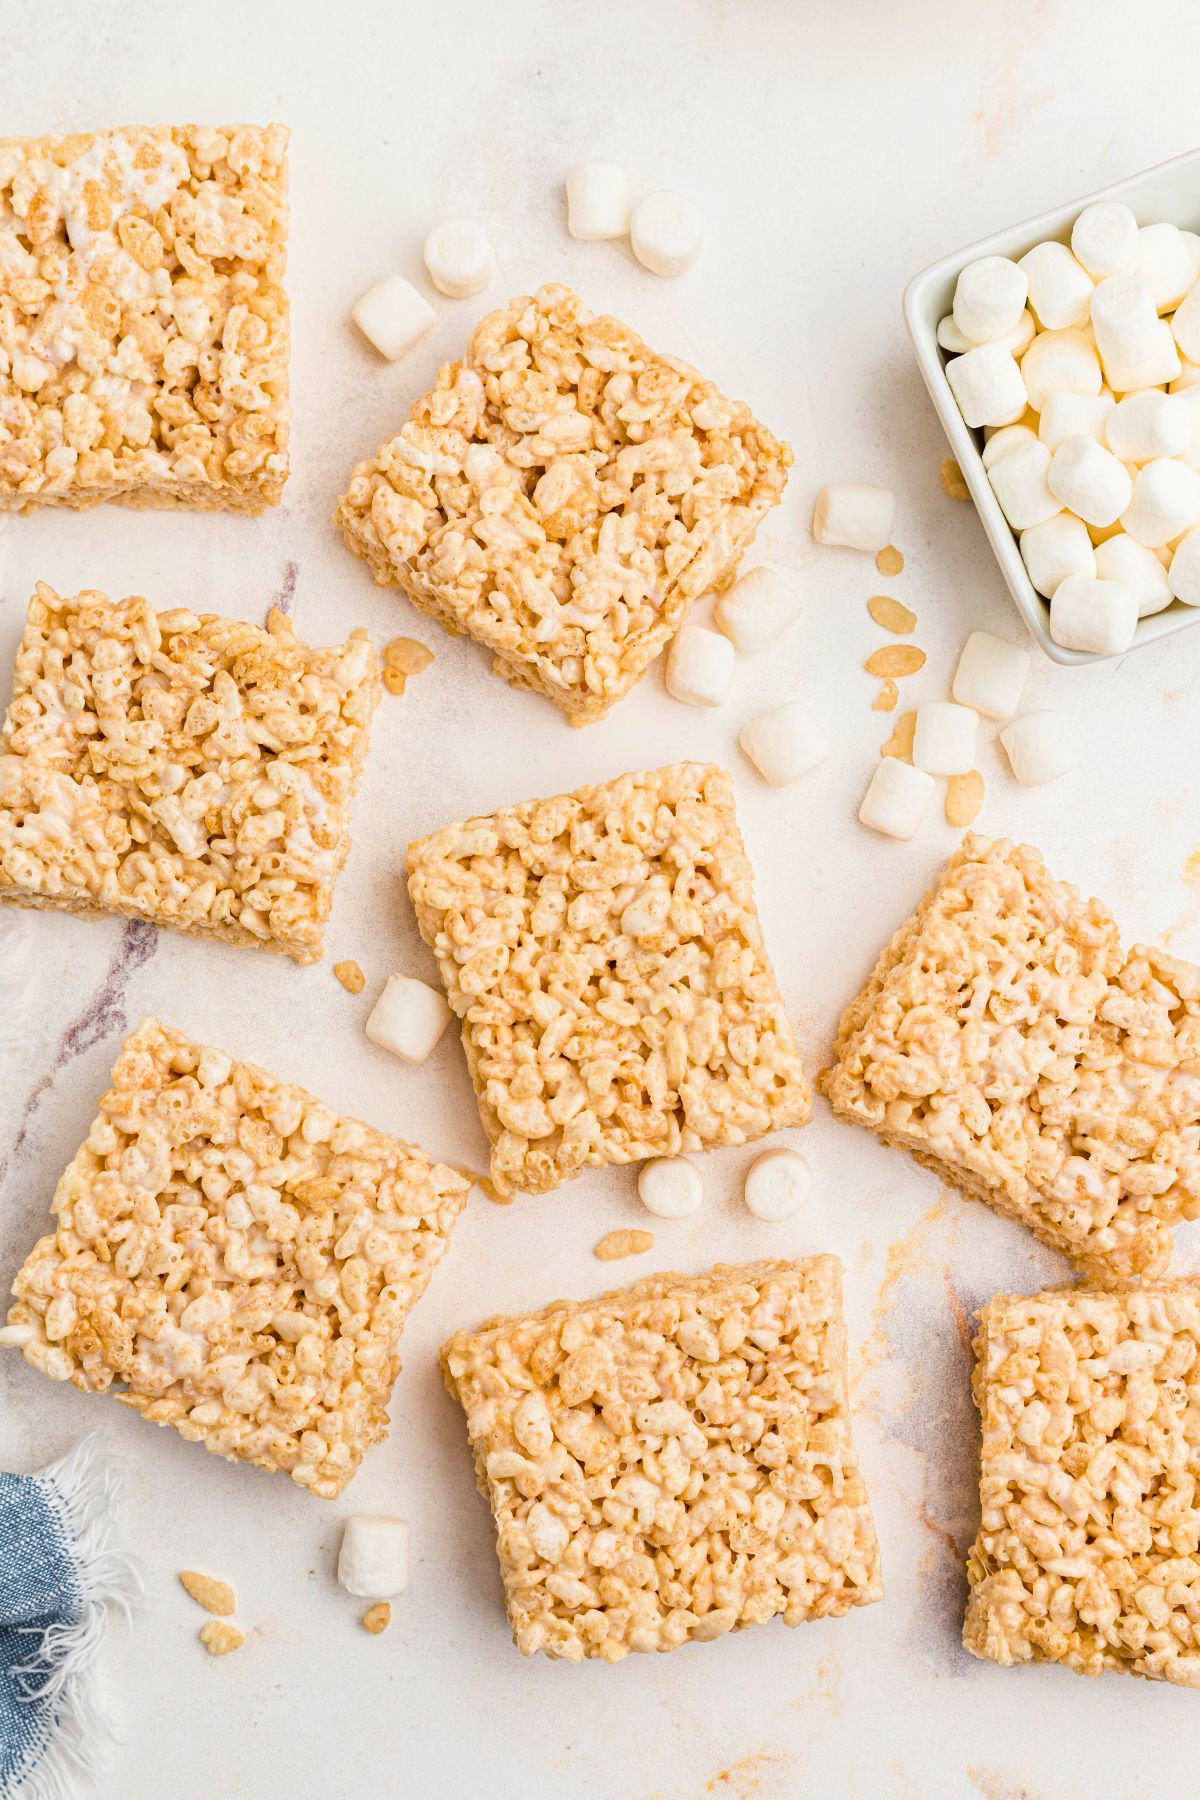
(603, 954)
(904, 733)
(617, 1244)
(670, 1461)
(143, 321)
(964, 798)
(890, 561)
(885, 700)
(892, 614)
(409, 655)
(377, 1618)
(351, 976)
(1088, 1551)
(187, 769)
(237, 1259)
(563, 495)
(896, 659)
(219, 1637)
(953, 480)
(213, 1595)
(1007, 1041)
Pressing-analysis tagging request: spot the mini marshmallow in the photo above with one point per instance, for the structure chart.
(1060, 288)
(1089, 480)
(1057, 548)
(392, 316)
(990, 676)
(458, 254)
(1072, 415)
(408, 1019)
(944, 739)
(989, 298)
(897, 798)
(1105, 239)
(1016, 341)
(1165, 263)
(1188, 376)
(1123, 317)
(1019, 482)
(1143, 426)
(858, 514)
(1059, 362)
(951, 338)
(777, 1184)
(1165, 503)
(1009, 437)
(1186, 324)
(700, 666)
(757, 609)
(1095, 615)
(785, 743)
(598, 201)
(1039, 748)
(1183, 576)
(375, 1557)
(1157, 362)
(1191, 241)
(988, 386)
(1122, 558)
(667, 233)
(670, 1187)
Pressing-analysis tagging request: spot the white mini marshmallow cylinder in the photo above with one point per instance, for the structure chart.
(1073, 415)
(1059, 362)
(1123, 317)
(1191, 241)
(1104, 238)
(988, 385)
(989, 298)
(392, 316)
(1057, 548)
(1060, 288)
(758, 608)
(858, 514)
(1157, 363)
(1019, 482)
(1183, 576)
(1089, 480)
(1093, 615)
(670, 1187)
(700, 666)
(777, 1185)
(1186, 324)
(951, 339)
(991, 675)
(667, 233)
(1018, 340)
(1143, 426)
(459, 256)
(897, 798)
(1165, 502)
(598, 201)
(1188, 377)
(785, 743)
(944, 738)
(408, 1019)
(376, 1556)
(1122, 558)
(1165, 264)
(1009, 437)
(1039, 748)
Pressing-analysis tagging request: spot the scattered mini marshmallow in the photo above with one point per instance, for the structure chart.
(1105, 239)
(1039, 748)
(1020, 484)
(990, 676)
(1158, 361)
(1183, 576)
(667, 233)
(1089, 480)
(944, 740)
(700, 666)
(598, 201)
(1185, 325)
(989, 298)
(1008, 437)
(669, 1187)
(1165, 502)
(1072, 415)
(855, 514)
(1056, 548)
(785, 743)
(392, 316)
(1143, 426)
(1094, 615)
(1060, 288)
(897, 798)
(408, 1019)
(758, 608)
(1122, 558)
(777, 1184)
(1165, 264)
(375, 1557)
(988, 385)
(459, 256)
(1059, 362)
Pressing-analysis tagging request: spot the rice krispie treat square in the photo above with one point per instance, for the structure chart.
(192, 770)
(235, 1260)
(563, 495)
(143, 322)
(671, 1461)
(1008, 1041)
(604, 957)
(1088, 1550)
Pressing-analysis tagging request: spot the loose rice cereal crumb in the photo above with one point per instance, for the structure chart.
(395, 680)
(624, 1243)
(964, 797)
(219, 1637)
(350, 976)
(893, 615)
(901, 741)
(377, 1618)
(886, 698)
(896, 659)
(213, 1595)
(409, 655)
(952, 480)
(890, 561)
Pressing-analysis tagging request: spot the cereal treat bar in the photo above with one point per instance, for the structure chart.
(143, 322)
(237, 1259)
(190, 770)
(1088, 1551)
(603, 954)
(671, 1461)
(563, 495)
(1007, 1041)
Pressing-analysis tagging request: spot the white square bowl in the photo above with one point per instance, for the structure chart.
(1170, 191)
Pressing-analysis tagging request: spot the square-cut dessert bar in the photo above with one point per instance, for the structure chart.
(188, 769)
(1008, 1041)
(143, 321)
(1088, 1550)
(235, 1260)
(563, 495)
(671, 1461)
(604, 957)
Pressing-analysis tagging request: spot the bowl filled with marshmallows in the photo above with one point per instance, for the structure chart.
(1063, 357)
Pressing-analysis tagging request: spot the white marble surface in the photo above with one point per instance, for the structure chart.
(835, 150)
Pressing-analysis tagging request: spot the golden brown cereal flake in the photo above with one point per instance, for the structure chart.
(964, 797)
(409, 655)
(891, 614)
(377, 1618)
(219, 1637)
(952, 480)
(623, 1243)
(889, 561)
(896, 660)
(885, 700)
(904, 733)
(350, 976)
(213, 1595)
